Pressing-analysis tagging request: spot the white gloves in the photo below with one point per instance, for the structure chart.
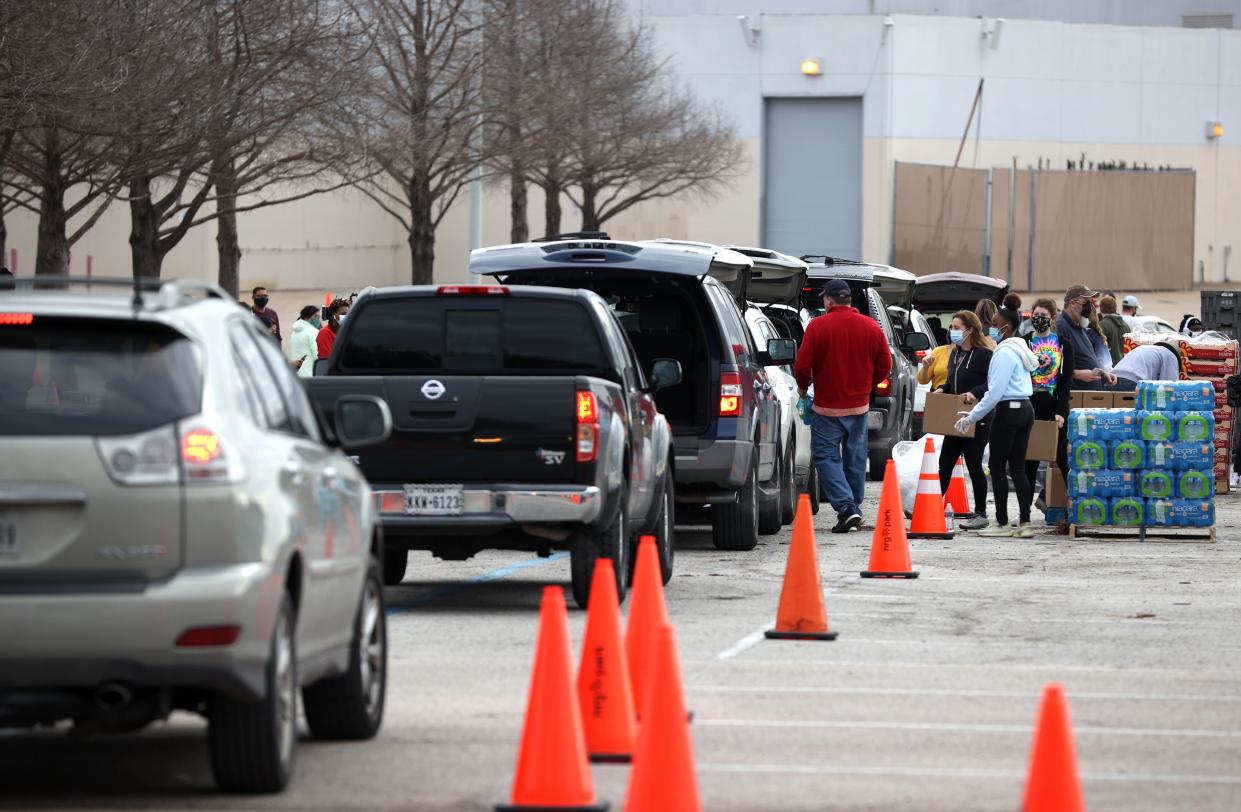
(963, 425)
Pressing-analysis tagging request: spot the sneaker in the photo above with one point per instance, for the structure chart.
(847, 522)
(1025, 530)
(974, 523)
(1040, 503)
(997, 531)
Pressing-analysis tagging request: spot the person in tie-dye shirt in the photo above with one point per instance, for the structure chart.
(1051, 382)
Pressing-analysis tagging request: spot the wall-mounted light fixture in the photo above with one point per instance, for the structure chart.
(812, 67)
(748, 30)
(1215, 130)
(991, 29)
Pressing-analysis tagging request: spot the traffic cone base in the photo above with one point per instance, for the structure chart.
(928, 521)
(772, 634)
(802, 614)
(602, 806)
(889, 549)
(610, 758)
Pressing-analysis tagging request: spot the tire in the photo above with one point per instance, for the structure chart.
(770, 509)
(396, 561)
(594, 543)
(665, 530)
(813, 489)
(252, 743)
(788, 488)
(735, 527)
(350, 707)
(878, 462)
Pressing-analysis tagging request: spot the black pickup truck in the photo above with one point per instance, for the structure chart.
(521, 420)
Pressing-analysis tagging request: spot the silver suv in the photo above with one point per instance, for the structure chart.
(177, 533)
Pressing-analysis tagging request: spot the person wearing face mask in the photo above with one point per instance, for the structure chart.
(967, 375)
(265, 313)
(303, 347)
(326, 339)
(1191, 326)
(1050, 382)
(1007, 403)
(1073, 327)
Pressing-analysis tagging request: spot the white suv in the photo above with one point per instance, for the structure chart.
(176, 533)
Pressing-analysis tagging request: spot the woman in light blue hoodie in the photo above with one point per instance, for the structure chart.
(1008, 395)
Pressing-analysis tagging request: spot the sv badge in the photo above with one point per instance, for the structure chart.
(550, 457)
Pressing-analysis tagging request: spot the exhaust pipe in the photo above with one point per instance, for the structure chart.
(113, 696)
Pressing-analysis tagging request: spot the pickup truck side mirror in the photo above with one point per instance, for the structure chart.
(780, 351)
(362, 420)
(915, 341)
(321, 366)
(665, 372)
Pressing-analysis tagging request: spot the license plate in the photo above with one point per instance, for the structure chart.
(434, 500)
(8, 539)
(874, 420)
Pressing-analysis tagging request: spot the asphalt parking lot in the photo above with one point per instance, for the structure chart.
(925, 702)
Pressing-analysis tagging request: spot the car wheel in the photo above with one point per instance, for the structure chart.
(769, 507)
(735, 526)
(788, 489)
(595, 543)
(812, 488)
(664, 531)
(878, 462)
(396, 561)
(252, 743)
(351, 706)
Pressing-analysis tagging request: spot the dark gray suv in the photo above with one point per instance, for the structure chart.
(680, 300)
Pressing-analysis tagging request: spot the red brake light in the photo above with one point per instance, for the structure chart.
(587, 427)
(883, 386)
(200, 447)
(471, 290)
(17, 319)
(730, 394)
(205, 636)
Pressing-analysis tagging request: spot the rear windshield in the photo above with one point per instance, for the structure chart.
(467, 334)
(68, 376)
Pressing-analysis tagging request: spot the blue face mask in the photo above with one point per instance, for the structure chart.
(956, 336)
(994, 332)
(315, 322)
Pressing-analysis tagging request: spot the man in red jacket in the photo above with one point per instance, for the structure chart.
(844, 354)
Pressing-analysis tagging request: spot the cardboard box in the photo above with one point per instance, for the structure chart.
(1124, 400)
(942, 411)
(1077, 399)
(1221, 485)
(1043, 441)
(1057, 492)
(1221, 351)
(1211, 369)
(1088, 399)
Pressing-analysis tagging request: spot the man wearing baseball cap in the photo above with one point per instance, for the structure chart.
(1129, 310)
(1071, 326)
(845, 355)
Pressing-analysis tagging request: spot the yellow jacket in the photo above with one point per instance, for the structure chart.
(936, 374)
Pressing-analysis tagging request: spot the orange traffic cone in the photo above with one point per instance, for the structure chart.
(327, 299)
(1052, 785)
(663, 776)
(929, 521)
(647, 613)
(552, 771)
(889, 547)
(603, 687)
(802, 615)
(958, 497)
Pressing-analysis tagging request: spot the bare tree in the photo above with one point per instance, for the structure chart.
(419, 114)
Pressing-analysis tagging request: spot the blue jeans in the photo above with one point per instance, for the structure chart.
(838, 445)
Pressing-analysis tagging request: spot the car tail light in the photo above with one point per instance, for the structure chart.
(149, 458)
(16, 319)
(205, 457)
(730, 394)
(208, 636)
(471, 290)
(389, 501)
(587, 427)
(884, 386)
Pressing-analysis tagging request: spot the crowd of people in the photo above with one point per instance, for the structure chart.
(314, 331)
(1011, 368)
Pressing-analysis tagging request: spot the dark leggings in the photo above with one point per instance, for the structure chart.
(971, 448)
(1045, 409)
(1010, 435)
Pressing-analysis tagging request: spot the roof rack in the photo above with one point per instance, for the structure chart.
(575, 235)
(826, 260)
(169, 293)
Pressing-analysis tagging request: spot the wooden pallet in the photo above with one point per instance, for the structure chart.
(1159, 534)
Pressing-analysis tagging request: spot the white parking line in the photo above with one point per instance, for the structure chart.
(948, 772)
(744, 643)
(1073, 695)
(1118, 670)
(956, 727)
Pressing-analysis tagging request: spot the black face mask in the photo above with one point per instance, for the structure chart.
(1040, 323)
(1086, 308)
(261, 301)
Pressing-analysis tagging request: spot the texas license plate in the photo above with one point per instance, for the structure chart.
(8, 538)
(434, 500)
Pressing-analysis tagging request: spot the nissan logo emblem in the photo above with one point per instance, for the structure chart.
(433, 389)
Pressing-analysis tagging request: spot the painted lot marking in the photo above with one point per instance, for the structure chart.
(453, 589)
(948, 772)
(957, 727)
(1073, 695)
(1119, 670)
(751, 639)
